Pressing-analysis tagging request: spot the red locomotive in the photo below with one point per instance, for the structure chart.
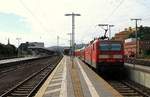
(103, 54)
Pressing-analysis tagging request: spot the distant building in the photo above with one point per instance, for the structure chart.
(123, 34)
(25, 48)
(130, 47)
(36, 44)
(145, 47)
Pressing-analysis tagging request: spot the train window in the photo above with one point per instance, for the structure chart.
(104, 47)
(116, 47)
(112, 47)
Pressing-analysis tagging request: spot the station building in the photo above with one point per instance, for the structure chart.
(142, 47)
(130, 44)
(122, 35)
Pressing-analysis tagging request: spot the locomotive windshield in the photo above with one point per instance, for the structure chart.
(104, 47)
(116, 47)
(112, 47)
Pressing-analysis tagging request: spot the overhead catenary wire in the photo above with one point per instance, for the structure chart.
(142, 3)
(33, 15)
(114, 10)
(136, 1)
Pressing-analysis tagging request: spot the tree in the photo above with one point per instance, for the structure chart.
(7, 51)
(143, 33)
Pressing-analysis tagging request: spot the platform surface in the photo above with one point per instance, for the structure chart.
(75, 80)
(16, 59)
(138, 67)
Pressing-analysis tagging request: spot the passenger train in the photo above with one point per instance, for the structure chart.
(103, 54)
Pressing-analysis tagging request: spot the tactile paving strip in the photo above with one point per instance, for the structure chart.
(54, 87)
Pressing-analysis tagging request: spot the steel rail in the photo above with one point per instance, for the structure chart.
(28, 86)
(130, 88)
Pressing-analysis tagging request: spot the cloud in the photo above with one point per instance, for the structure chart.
(13, 23)
(46, 19)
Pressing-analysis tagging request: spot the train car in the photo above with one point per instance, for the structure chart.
(77, 53)
(110, 55)
(104, 54)
(82, 54)
(67, 51)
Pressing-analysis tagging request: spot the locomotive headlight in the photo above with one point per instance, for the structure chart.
(103, 56)
(117, 56)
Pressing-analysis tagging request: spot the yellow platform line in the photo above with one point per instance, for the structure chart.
(63, 92)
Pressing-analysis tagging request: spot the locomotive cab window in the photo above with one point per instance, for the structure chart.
(116, 47)
(113, 47)
(104, 47)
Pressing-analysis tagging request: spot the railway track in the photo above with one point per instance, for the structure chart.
(130, 88)
(29, 86)
(6, 67)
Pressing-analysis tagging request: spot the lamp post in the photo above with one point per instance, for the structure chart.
(18, 39)
(137, 46)
(73, 32)
(70, 34)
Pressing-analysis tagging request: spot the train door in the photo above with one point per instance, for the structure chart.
(91, 54)
(97, 53)
(94, 55)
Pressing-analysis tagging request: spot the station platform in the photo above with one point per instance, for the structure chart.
(138, 67)
(75, 80)
(16, 59)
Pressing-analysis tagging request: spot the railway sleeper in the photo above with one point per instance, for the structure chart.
(42, 75)
(131, 94)
(123, 87)
(126, 91)
(143, 89)
(138, 90)
(28, 85)
(18, 94)
(32, 81)
(26, 88)
(25, 91)
(21, 89)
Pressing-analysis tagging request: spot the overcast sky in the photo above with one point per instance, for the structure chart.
(43, 20)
